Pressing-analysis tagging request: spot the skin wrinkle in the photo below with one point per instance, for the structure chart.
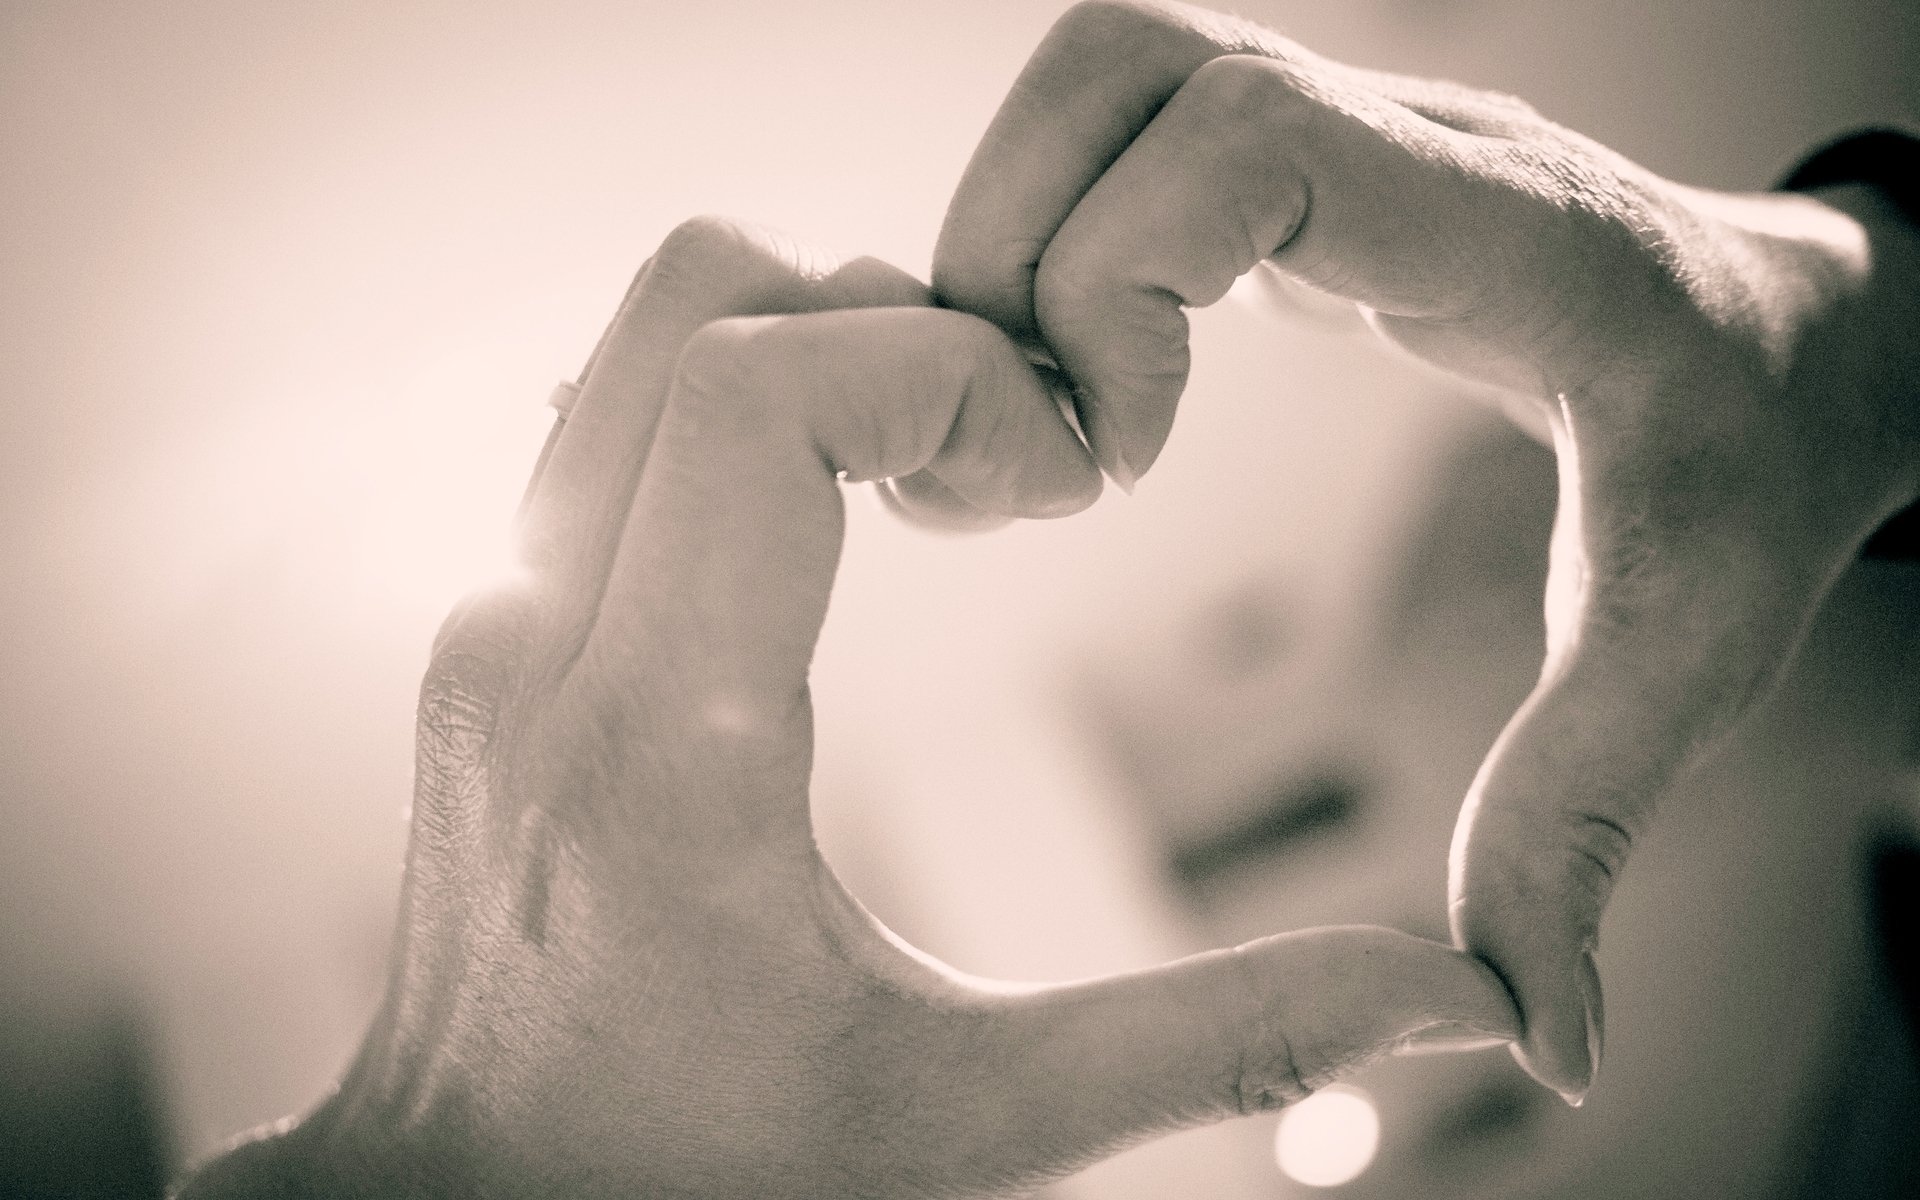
(1160, 325)
(644, 811)
(1615, 835)
(1259, 99)
(1094, 33)
(1263, 1080)
(538, 868)
(993, 447)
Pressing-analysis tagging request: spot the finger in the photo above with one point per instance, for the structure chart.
(920, 499)
(925, 500)
(706, 269)
(979, 476)
(1093, 83)
(725, 564)
(1661, 645)
(566, 395)
(1149, 155)
(1039, 1083)
(485, 633)
(1253, 160)
(563, 399)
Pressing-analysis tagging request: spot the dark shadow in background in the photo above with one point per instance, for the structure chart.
(80, 1109)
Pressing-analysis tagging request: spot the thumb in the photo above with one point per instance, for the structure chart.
(1062, 1075)
(1654, 656)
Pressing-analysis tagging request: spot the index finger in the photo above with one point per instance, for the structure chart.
(715, 598)
(1100, 75)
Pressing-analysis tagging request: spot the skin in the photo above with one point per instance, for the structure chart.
(1727, 382)
(623, 968)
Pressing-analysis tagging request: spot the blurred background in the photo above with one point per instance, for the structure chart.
(283, 288)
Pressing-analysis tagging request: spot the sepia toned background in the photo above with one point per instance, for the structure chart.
(283, 288)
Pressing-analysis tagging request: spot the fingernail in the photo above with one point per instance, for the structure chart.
(1103, 438)
(1452, 1038)
(1596, 1027)
(1090, 422)
(1596, 1015)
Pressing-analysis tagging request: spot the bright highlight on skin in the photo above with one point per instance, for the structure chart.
(1327, 1139)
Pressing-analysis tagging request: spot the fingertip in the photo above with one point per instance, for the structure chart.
(1107, 445)
(1529, 946)
(1500, 1013)
(1124, 424)
(1074, 490)
(1068, 480)
(924, 502)
(1376, 991)
(1560, 1043)
(1596, 1015)
(1014, 447)
(1534, 864)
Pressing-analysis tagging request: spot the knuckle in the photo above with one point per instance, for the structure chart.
(1268, 1075)
(704, 238)
(1249, 90)
(1080, 281)
(981, 365)
(748, 266)
(869, 282)
(1100, 21)
(1267, 1079)
(1005, 459)
(456, 718)
(1473, 110)
(975, 343)
(990, 474)
(476, 661)
(1514, 110)
(483, 637)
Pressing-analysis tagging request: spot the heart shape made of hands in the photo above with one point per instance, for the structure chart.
(623, 967)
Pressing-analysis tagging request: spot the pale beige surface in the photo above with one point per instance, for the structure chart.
(285, 288)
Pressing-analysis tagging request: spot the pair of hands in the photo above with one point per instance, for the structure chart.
(623, 967)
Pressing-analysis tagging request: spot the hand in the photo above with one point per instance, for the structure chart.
(623, 967)
(1728, 427)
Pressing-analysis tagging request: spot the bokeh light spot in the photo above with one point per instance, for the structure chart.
(1327, 1139)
